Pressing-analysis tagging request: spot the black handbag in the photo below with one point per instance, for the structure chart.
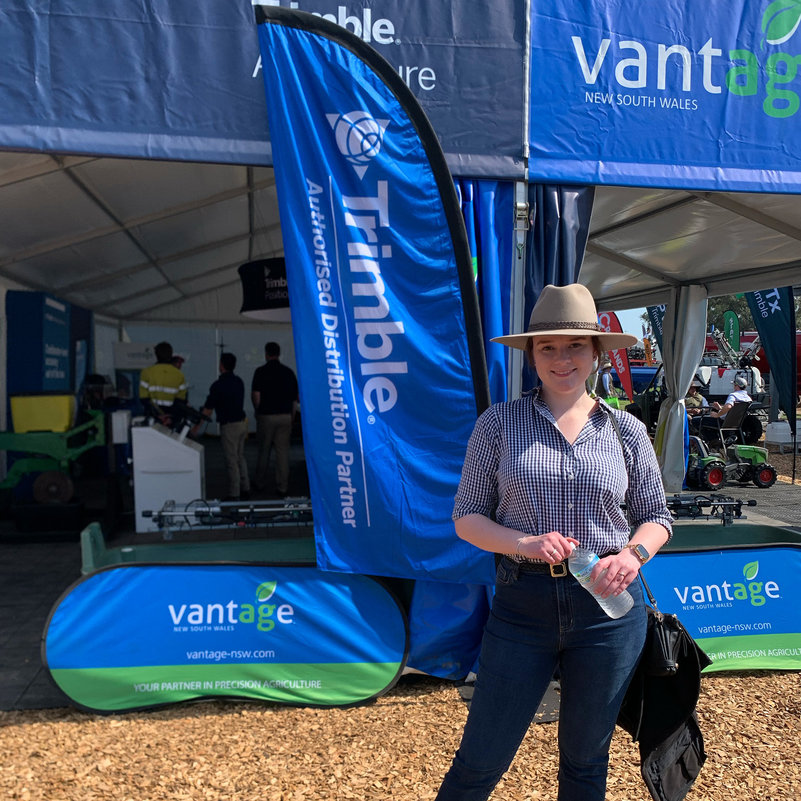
(666, 640)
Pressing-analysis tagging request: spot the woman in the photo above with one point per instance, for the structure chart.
(541, 475)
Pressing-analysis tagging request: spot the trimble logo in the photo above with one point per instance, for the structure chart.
(358, 136)
(379, 30)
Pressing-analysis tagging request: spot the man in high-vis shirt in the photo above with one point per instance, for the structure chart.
(161, 384)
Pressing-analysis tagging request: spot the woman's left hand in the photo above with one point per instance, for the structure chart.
(614, 573)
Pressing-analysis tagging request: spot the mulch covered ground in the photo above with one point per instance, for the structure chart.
(783, 462)
(395, 748)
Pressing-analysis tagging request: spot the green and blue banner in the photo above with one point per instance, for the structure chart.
(702, 95)
(147, 635)
(385, 315)
(740, 605)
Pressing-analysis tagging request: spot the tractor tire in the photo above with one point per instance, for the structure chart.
(765, 475)
(752, 429)
(713, 476)
(53, 487)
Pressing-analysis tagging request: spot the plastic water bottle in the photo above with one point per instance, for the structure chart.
(581, 562)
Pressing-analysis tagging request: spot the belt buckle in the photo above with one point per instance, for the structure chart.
(559, 570)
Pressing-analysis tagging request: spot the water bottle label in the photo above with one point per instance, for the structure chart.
(583, 575)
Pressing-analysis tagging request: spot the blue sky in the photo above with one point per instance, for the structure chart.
(630, 321)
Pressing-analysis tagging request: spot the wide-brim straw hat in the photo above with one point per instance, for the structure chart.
(566, 311)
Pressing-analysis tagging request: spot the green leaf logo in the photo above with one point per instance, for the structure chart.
(750, 571)
(265, 591)
(780, 21)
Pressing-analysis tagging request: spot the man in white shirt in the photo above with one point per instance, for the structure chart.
(738, 396)
(718, 412)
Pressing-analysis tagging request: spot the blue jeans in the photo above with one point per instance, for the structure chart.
(541, 626)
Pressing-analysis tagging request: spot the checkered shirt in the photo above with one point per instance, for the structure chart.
(520, 471)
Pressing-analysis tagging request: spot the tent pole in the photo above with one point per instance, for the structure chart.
(517, 297)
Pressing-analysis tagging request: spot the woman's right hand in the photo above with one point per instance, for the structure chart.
(551, 547)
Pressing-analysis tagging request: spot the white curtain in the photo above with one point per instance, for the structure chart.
(682, 347)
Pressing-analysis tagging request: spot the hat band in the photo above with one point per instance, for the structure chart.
(565, 324)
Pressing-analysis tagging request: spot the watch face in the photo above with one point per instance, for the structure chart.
(641, 552)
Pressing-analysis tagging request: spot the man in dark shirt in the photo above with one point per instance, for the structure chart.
(227, 398)
(274, 392)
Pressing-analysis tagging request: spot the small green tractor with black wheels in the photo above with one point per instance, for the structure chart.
(709, 470)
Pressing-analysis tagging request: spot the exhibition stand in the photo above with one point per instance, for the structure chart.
(735, 588)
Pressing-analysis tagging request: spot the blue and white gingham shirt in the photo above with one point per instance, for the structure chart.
(520, 471)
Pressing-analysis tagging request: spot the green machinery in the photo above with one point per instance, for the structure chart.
(50, 456)
(742, 463)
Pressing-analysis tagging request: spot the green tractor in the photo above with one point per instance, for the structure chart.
(709, 470)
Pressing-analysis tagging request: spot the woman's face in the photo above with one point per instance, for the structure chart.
(563, 363)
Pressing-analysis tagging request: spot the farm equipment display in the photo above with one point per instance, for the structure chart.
(48, 457)
(711, 470)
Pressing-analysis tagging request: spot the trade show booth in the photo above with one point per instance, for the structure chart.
(456, 159)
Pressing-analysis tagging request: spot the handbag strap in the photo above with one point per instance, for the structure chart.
(616, 426)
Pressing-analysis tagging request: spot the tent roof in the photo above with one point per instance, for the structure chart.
(136, 240)
(642, 242)
(162, 241)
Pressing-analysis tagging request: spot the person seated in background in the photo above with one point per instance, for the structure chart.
(695, 402)
(716, 417)
(739, 395)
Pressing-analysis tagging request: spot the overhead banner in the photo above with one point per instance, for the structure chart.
(742, 606)
(147, 635)
(112, 77)
(682, 95)
(773, 311)
(385, 316)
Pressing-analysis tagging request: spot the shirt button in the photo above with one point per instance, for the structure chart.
(570, 506)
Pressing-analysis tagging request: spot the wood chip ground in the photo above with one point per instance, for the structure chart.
(397, 747)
